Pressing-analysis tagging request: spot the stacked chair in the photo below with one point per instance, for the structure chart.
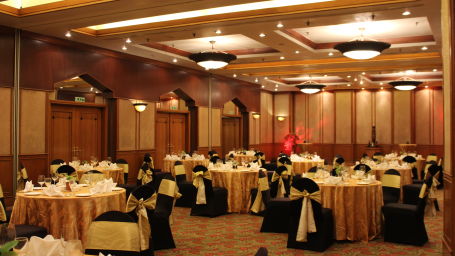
(186, 188)
(122, 163)
(404, 223)
(391, 186)
(210, 201)
(261, 195)
(115, 233)
(54, 165)
(311, 226)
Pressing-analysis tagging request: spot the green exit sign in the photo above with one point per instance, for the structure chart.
(79, 99)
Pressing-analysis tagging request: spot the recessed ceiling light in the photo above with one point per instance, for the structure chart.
(276, 89)
(424, 48)
(128, 40)
(406, 13)
(174, 60)
(355, 79)
(266, 78)
(297, 52)
(363, 88)
(361, 82)
(363, 73)
(276, 85)
(282, 58)
(325, 75)
(322, 89)
(91, 89)
(234, 75)
(381, 83)
(262, 35)
(330, 53)
(218, 32)
(61, 87)
(348, 76)
(68, 34)
(382, 88)
(434, 70)
(256, 80)
(263, 86)
(124, 48)
(348, 85)
(426, 86)
(409, 72)
(279, 25)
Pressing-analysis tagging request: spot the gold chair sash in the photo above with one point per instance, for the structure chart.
(432, 158)
(22, 174)
(170, 188)
(198, 182)
(281, 188)
(105, 235)
(258, 204)
(390, 180)
(124, 167)
(179, 169)
(140, 207)
(1, 191)
(306, 221)
(53, 168)
(145, 177)
(2, 213)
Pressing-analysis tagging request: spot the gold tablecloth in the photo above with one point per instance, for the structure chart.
(188, 164)
(356, 209)
(115, 174)
(300, 167)
(70, 214)
(244, 158)
(239, 183)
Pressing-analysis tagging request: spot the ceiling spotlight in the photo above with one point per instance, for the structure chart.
(325, 75)
(330, 53)
(381, 83)
(263, 86)
(212, 59)
(174, 60)
(234, 75)
(124, 48)
(348, 85)
(276, 85)
(128, 40)
(434, 70)
(218, 32)
(406, 13)
(382, 88)
(410, 72)
(426, 86)
(348, 76)
(363, 88)
(266, 77)
(310, 87)
(405, 84)
(68, 34)
(361, 48)
(279, 25)
(282, 58)
(261, 35)
(361, 82)
(91, 89)
(276, 89)
(424, 48)
(355, 79)
(297, 52)
(256, 80)
(363, 73)
(61, 87)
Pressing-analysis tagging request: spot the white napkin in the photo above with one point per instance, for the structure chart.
(254, 166)
(47, 246)
(28, 186)
(333, 180)
(52, 191)
(112, 166)
(210, 166)
(250, 153)
(104, 164)
(103, 186)
(103, 254)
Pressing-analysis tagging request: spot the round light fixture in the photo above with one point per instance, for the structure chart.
(361, 50)
(405, 84)
(256, 115)
(212, 59)
(310, 87)
(140, 106)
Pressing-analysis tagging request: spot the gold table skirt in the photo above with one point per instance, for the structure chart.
(70, 216)
(115, 174)
(239, 184)
(304, 166)
(244, 158)
(188, 165)
(356, 209)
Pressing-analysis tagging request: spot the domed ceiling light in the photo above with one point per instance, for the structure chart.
(310, 87)
(405, 84)
(212, 59)
(361, 48)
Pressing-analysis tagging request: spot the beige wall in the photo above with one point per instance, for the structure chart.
(282, 103)
(255, 130)
(343, 117)
(266, 117)
(5, 124)
(207, 128)
(32, 122)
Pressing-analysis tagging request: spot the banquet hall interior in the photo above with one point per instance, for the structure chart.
(241, 127)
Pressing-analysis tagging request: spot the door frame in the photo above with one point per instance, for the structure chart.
(240, 118)
(104, 122)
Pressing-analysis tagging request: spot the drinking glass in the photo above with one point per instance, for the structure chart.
(21, 242)
(54, 177)
(41, 180)
(48, 182)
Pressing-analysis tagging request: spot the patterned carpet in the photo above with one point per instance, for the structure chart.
(238, 234)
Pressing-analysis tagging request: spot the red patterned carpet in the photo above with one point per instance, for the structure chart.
(238, 234)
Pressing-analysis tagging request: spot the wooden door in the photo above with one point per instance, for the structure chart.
(231, 134)
(177, 128)
(170, 135)
(161, 139)
(75, 132)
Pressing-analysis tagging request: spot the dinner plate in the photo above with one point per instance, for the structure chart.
(83, 194)
(32, 193)
(37, 188)
(363, 183)
(117, 189)
(320, 182)
(82, 185)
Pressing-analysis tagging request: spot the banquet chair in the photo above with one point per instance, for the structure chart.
(262, 251)
(432, 157)
(115, 233)
(122, 163)
(215, 197)
(337, 161)
(280, 182)
(145, 175)
(260, 200)
(186, 188)
(212, 153)
(22, 176)
(404, 223)
(54, 165)
(424, 173)
(359, 167)
(411, 161)
(391, 184)
(378, 157)
(411, 191)
(311, 172)
(66, 169)
(91, 176)
(231, 157)
(305, 196)
(214, 159)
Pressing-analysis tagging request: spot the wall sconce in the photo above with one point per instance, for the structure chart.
(280, 118)
(140, 106)
(256, 115)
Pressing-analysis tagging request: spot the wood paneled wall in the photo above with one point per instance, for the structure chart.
(5, 124)
(209, 129)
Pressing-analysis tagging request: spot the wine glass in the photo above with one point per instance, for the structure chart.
(54, 177)
(48, 182)
(41, 180)
(21, 242)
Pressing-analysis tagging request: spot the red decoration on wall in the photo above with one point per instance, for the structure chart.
(290, 142)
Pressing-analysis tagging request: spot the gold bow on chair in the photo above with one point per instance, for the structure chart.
(198, 182)
(170, 188)
(281, 188)
(144, 226)
(258, 204)
(430, 210)
(306, 221)
(145, 176)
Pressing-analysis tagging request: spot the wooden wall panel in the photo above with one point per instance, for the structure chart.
(203, 127)
(32, 122)
(401, 117)
(364, 116)
(216, 127)
(6, 178)
(343, 117)
(328, 117)
(5, 124)
(423, 114)
(281, 106)
(255, 131)
(230, 108)
(438, 117)
(36, 164)
(266, 117)
(126, 125)
(147, 127)
(383, 120)
(301, 115)
(315, 121)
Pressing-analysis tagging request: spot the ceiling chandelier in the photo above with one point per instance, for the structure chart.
(405, 84)
(212, 59)
(360, 48)
(310, 87)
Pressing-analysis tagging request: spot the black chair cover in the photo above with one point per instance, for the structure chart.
(265, 195)
(57, 161)
(186, 188)
(274, 184)
(391, 191)
(66, 169)
(262, 251)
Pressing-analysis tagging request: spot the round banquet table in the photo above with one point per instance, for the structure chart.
(115, 174)
(356, 209)
(244, 158)
(188, 164)
(300, 167)
(70, 214)
(239, 183)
